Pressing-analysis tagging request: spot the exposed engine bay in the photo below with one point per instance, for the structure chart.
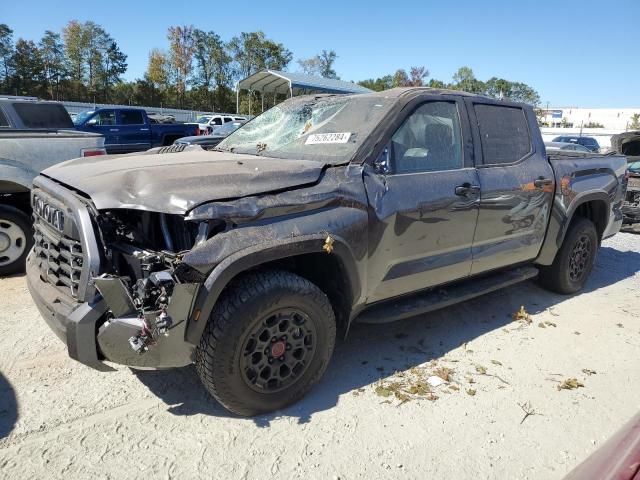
(142, 255)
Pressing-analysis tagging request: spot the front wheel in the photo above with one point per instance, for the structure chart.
(15, 239)
(574, 261)
(268, 341)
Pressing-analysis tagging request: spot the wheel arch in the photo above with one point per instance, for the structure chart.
(334, 273)
(593, 206)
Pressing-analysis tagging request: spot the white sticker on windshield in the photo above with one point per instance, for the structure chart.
(316, 138)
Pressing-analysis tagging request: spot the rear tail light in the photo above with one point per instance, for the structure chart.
(92, 152)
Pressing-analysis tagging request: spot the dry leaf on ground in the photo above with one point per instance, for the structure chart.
(522, 316)
(570, 384)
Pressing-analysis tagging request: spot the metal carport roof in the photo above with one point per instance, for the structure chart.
(276, 81)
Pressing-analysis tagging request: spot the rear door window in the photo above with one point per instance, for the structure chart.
(504, 133)
(216, 121)
(131, 117)
(43, 115)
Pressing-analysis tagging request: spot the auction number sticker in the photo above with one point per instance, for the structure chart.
(317, 138)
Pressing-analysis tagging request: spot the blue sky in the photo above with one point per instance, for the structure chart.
(573, 52)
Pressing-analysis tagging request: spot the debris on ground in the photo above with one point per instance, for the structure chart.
(471, 391)
(406, 386)
(528, 411)
(552, 312)
(481, 370)
(444, 373)
(570, 384)
(587, 371)
(435, 381)
(496, 362)
(522, 316)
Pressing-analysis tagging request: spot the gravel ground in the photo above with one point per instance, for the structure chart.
(60, 419)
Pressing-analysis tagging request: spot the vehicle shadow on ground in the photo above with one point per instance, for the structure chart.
(8, 407)
(372, 352)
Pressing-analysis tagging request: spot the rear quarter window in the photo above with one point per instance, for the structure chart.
(43, 115)
(504, 133)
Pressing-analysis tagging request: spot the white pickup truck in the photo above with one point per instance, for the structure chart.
(33, 136)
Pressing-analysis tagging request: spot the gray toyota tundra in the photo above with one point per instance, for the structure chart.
(325, 210)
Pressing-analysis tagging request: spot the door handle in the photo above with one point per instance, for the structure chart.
(467, 189)
(542, 182)
(114, 130)
(144, 129)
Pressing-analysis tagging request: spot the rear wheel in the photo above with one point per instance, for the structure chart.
(15, 239)
(268, 341)
(574, 261)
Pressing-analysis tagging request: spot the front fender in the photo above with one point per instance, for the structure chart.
(255, 256)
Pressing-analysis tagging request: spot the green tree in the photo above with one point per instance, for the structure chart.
(29, 74)
(181, 50)
(6, 54)
(52, 53)
(320, 65)
(378, 84)
(213, 68)
(74, 49)
(514, 91)
(434, 83)
(252, 51)
(114, 65)
(465, 80)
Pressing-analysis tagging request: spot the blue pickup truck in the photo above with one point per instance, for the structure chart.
(130, 129)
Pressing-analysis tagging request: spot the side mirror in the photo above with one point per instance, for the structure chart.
(381, 165)
(91, 122)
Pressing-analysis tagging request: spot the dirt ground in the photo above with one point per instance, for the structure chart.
(60, 419)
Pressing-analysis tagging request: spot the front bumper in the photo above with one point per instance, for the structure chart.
(91, 338)
(74, 323)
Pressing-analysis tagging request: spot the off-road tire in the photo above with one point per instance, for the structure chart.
(240, 309)
(557, 277)
(20, 219)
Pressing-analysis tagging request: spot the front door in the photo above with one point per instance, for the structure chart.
(517, 186)
(424, 209)
(104, 122)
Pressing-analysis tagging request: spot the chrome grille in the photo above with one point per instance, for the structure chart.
(63, 247)
(60, 259)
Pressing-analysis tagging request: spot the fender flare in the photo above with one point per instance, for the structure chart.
(257, 255)
(558, 227)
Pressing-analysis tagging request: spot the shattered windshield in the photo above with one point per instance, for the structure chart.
(329, 128)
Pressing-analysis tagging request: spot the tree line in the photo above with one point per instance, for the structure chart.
(197, 69)
(463, 79)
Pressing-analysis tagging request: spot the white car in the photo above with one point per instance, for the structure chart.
(207, 122)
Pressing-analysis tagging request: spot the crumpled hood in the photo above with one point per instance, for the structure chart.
(177, 182)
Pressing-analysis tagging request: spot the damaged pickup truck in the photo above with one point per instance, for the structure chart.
(249, 260)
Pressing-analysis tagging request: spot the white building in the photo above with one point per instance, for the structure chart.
(574, 117)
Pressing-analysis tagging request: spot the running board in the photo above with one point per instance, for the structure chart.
(440, 297)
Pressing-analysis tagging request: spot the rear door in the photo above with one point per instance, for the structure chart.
(134, 132)
(424, 209)
(516, 183)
